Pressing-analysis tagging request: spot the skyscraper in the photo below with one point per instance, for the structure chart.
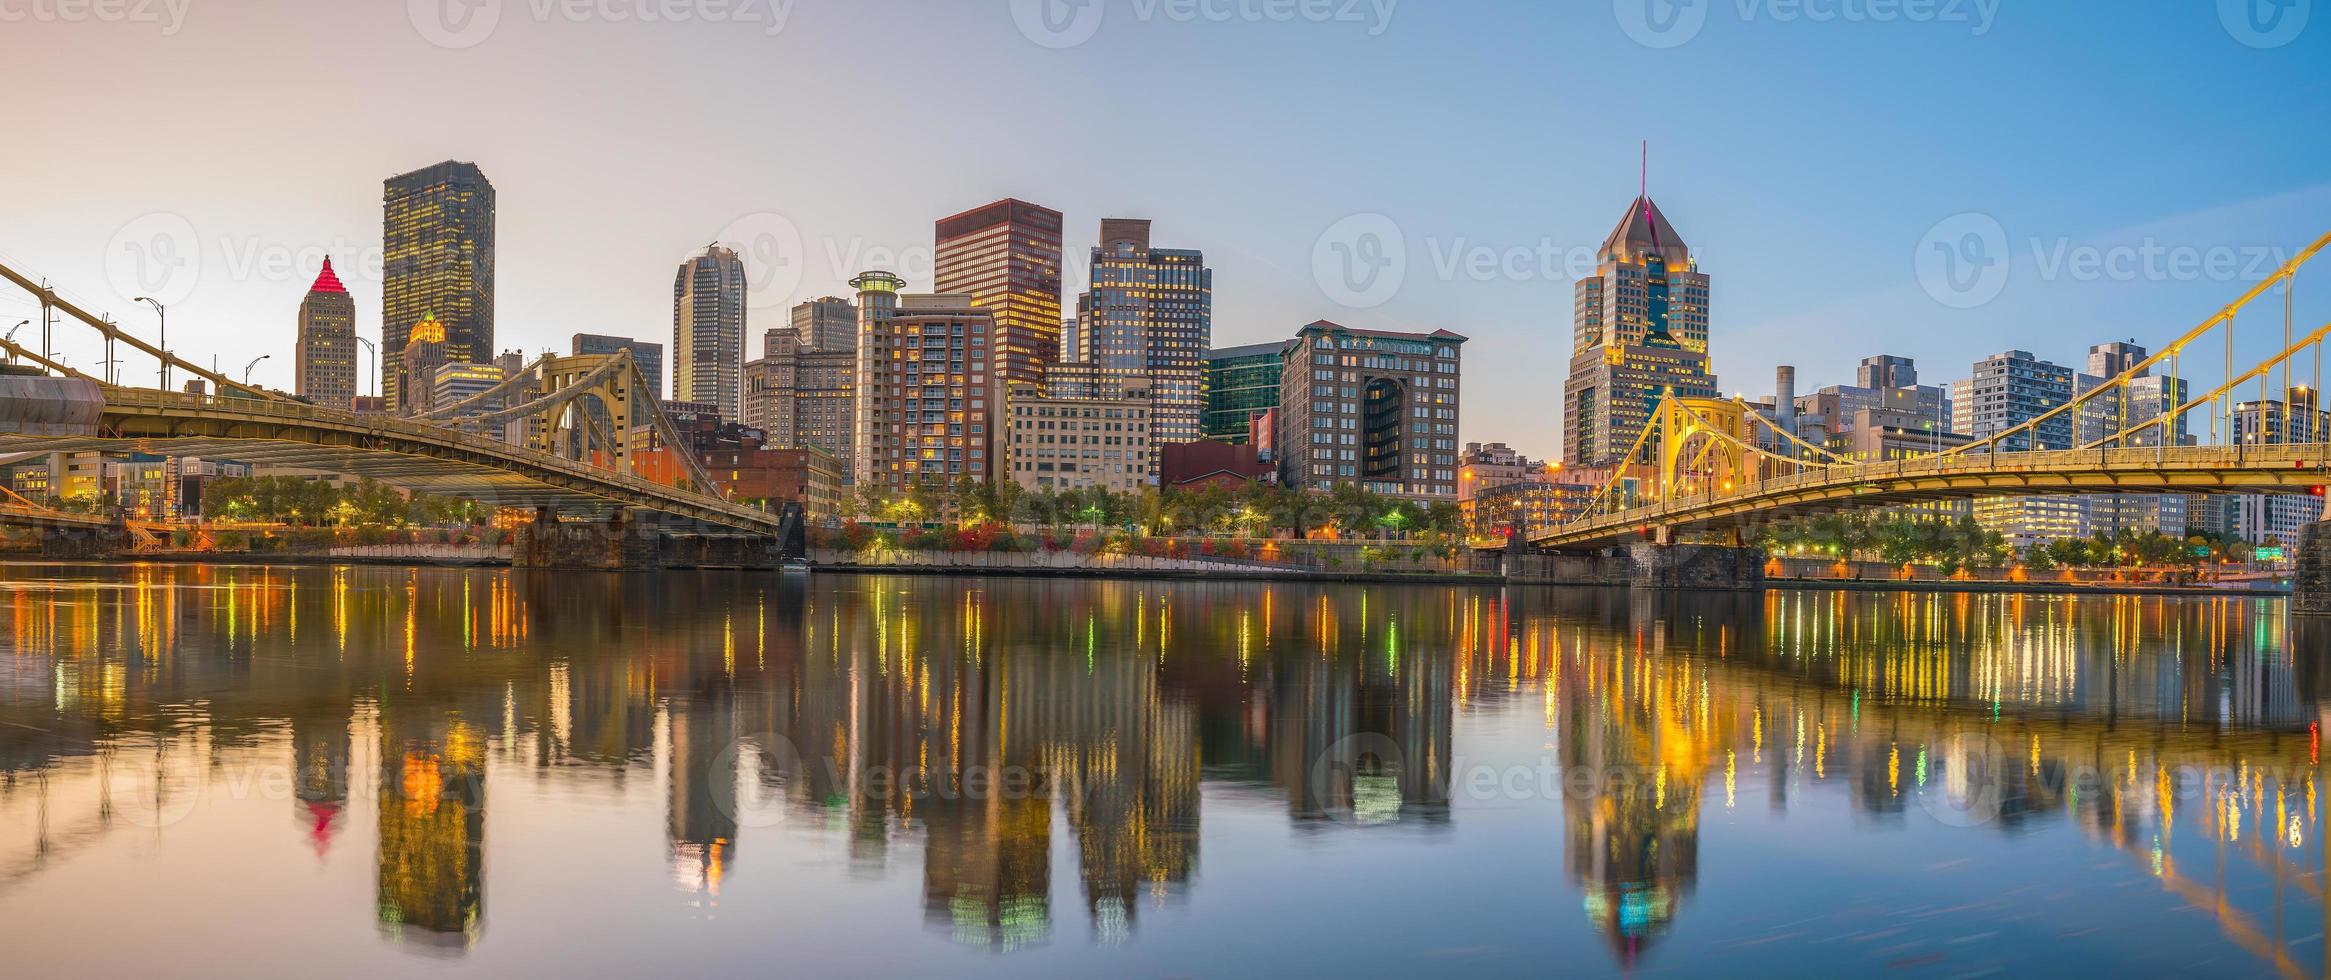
(648, 356)
(2007, 390)
(1006, 257)
(799, 396)
(827, 323)
(1147, 322)
(1241, 383)
(1640, 330)
(928, 389)
(708, 330)
(437, 259)
(325, 368)
(1371, 407)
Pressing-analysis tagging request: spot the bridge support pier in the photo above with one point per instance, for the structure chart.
(1696, 567)
(78, 544)
(2311, 586)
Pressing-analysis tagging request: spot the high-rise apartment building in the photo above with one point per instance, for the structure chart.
(827, 323)
(1241, 383)
(2008, 390)
(2278, 517)
(324, 371)
(1639, 331)
(437, 260)
(1371, 407)
(708, 330)
(649, 357)
(1006, 257)
(1147, 322)
(801, 396)
(929, 388)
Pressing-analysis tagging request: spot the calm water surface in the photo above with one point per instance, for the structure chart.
(253, 772)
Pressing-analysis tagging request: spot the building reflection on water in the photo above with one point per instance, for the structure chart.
(969, 724)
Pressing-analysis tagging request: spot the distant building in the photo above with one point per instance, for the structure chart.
(1147, 322)
(2279, 517)
(416, 364)
(1241, 383)
(648, 356)
(437, 263)
(1062, 443)
(1527, 508)
(2008, 390)
(1371, 407)
(1496, 464)
(1639, 332)
(826, 324)
(708, 330)
(458, 382)
(929, 392)
(1005, 256)
(324, 369)
(1207, 462)
(803, 397)
(2143, 399)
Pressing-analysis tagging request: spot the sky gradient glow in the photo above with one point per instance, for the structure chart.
(1805, 160)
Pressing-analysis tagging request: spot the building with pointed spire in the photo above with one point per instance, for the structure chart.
(1640, 330)
(324, 367)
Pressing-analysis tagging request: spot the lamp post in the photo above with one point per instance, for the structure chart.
(375, 350)
(247, 368)
(20, 324)
(164, 316)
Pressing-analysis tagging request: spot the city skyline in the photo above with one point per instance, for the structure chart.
(1758, 209)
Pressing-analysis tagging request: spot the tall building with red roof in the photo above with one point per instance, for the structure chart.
(325, 364)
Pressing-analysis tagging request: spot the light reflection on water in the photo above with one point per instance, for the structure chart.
(393, 771)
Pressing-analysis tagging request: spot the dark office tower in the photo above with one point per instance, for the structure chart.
(708, 330)
(827, 324)
(325, 365)
(1149, 320)
(437, 256)
(649, 357)
(1006, 257)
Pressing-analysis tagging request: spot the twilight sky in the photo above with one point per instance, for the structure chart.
(2103, 170)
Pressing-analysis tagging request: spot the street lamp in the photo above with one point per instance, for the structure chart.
(164, 316)
(254, 363)
(20, 324)
(375, 349)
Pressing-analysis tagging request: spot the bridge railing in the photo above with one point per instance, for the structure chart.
(2308, 458)
(315, 415)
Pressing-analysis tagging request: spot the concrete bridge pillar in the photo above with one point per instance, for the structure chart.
(2311, 586)
(84, 544)
(1696, 567)
(614, 544)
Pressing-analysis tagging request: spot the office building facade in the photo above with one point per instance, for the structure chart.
(1241, 384)
(437, 261)
(648, 356)
(1006, 257)
(1371, 407)
(1060, 443)
(1639, 332)
(324, 369)
(827, 323)
(801, 396)
(1147, 322)
(708, 330)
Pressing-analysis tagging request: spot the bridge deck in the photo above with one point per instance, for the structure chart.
(2186, 469)
(400, 452)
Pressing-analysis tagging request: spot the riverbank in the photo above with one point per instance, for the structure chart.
(2020, 588)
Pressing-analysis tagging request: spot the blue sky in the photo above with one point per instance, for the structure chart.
(1806, 160)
